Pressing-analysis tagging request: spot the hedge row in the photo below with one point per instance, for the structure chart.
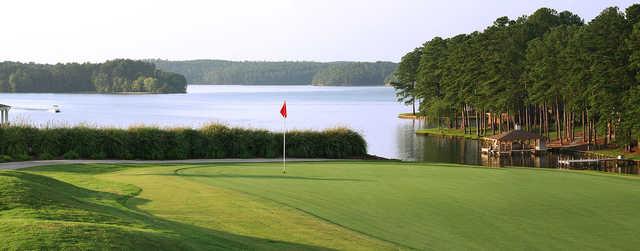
(151, 143)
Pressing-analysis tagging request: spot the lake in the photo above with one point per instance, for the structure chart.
(372, 111)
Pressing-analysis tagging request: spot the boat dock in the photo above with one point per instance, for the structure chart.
(616, 165)
(570, 162)
(515, 141)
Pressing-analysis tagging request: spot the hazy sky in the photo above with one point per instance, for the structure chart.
(318, 30)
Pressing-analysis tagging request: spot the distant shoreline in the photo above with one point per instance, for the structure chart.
(101, 93)
(287, 84)
(342, 73)
(162, 93)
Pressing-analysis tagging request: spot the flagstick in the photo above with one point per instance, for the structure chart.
(284, 147)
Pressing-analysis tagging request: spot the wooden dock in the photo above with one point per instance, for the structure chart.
(615, 165)
(493, 152)
(570, 162)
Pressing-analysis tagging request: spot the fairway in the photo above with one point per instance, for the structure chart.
(327, 205)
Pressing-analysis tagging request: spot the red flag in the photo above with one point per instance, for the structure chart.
(283, 110)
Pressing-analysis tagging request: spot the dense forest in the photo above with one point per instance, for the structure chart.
(279, 73)
(354, 73)
(121, 75)
(545, 72)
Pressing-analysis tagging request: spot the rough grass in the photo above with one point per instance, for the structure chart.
(37, 212)
(336, 205)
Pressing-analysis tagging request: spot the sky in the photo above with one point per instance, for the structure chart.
(264, 30)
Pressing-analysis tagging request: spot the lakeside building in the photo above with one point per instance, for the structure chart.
(514, 141)
(4, 114)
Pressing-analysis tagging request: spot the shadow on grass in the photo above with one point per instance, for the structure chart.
(40, 194)
(80, 168)
(244, 176)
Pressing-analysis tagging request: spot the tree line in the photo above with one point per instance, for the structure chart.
(279, 73)
(549, 71)
(121, 75)
(354, 73)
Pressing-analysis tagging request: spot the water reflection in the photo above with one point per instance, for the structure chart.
(548, 159)
(407, 141)
(414, 147)
(430, 148)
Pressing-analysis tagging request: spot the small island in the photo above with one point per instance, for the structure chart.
(114, 76)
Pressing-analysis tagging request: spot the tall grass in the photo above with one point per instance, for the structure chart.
(24, 141)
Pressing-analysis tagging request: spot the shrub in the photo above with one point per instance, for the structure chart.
(71, 155)
(152, 143)
(98, 155)
(45, 156)
(22, 157)
(5, 158)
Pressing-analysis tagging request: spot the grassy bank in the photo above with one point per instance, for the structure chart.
(335, 205)
(615, 152)
(448, 132)
(443, 131)
(410, 115)
(152, 143)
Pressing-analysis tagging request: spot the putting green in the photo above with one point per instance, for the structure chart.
(336, 205)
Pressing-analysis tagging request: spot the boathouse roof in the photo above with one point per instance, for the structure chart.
(516, 135)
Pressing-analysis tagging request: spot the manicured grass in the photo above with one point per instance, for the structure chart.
(340, 205)
(143, 207)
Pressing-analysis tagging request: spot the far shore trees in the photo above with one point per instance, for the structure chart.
(120, 75)
(546, 72)
(344, 73)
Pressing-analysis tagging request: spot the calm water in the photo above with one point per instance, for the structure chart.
(460, 150)
(371, 111)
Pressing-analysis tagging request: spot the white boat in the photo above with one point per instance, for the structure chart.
(54, 109)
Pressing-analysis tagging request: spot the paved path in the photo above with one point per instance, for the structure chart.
(24, 164)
